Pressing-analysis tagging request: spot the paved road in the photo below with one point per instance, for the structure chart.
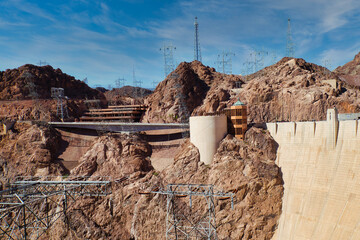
(120, 127)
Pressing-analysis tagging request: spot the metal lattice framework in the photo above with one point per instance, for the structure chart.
(197, 49)
(290, 52)
(181, 222)
(31, 205)
(168, 52)
(61, 109)
(224, 62)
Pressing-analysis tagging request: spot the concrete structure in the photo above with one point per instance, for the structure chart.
(206, 132)
(119, 126)
(239, 119)
(348, 116)
(122, 113)
(331, 82)
(320, 163)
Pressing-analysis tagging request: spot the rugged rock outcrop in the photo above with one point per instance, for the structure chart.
(25, 93)
(293, 90)
(29, 150)
(127, 95)
(34, 82)
(116, 156)
(185, 89)
(245, 167)
(350, 68)
(39, 110)
(350, 72)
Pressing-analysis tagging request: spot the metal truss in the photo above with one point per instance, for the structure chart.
(32, 204)
(181, 222)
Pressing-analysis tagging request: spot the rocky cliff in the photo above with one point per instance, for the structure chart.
(127, 95)
(246, 168)
(25, 93)
(188, 87)
(29, 150)
(30, 81)
(350, 72)
(291, 90)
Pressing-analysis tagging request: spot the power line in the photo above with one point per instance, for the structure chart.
(197, 50)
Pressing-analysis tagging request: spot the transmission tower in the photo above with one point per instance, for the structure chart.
(197, 50)
(185, 223)
(138, 91)
(290, 52)
(168, 52)
(61, 106)
(33, 204)
(225, 61)
(327, 66)
(42, 63)
(120, 82)
(256, 60)
(85, 80)
(155, 83)
(274, 58)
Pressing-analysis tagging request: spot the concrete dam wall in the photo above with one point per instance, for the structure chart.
(320, 162)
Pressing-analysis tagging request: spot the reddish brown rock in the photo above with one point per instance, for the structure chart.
(29, 150)
(30, 81)
(127, 95)
(293, 90)
(191, 85)
(245, 167)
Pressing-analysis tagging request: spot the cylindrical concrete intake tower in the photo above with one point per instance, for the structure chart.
(206, 132)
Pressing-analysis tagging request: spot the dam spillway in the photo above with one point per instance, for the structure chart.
(320, 163)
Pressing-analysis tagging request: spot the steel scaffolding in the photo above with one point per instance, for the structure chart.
(181, 222)
(32, 204)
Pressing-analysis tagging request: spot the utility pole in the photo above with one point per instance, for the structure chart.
(290, 52)
(168, 52)
(225, 62)
(197, 50)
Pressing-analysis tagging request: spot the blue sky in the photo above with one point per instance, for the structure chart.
(104, 40)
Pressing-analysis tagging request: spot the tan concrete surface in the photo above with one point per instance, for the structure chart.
(321, 173)
(206, 132)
